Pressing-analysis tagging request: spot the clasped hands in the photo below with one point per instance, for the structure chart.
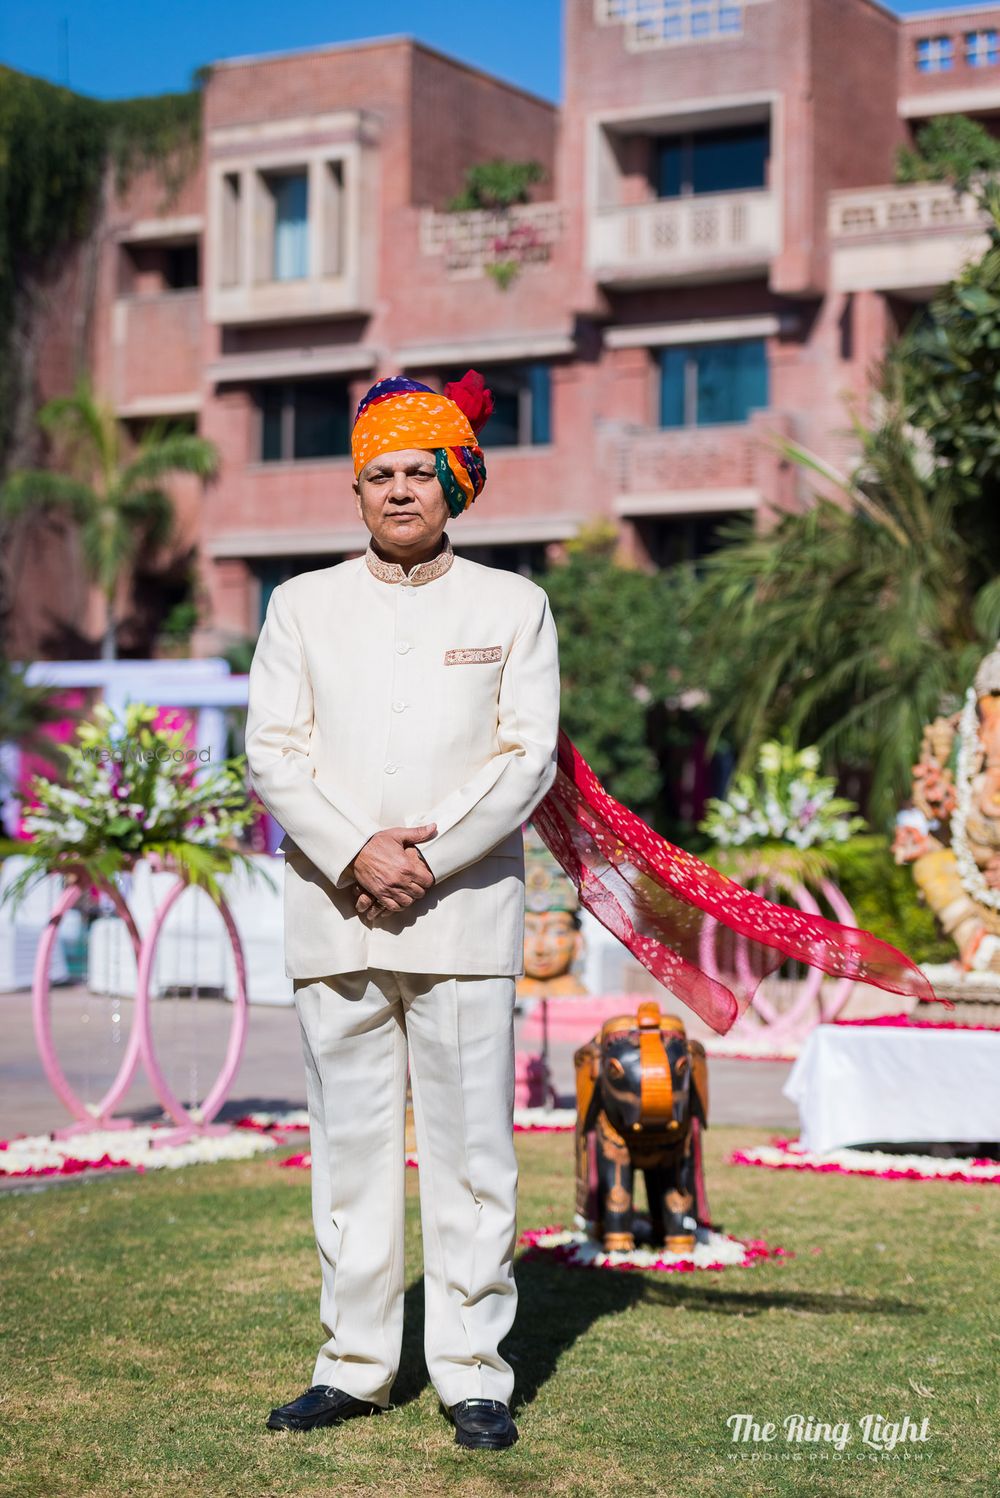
(390, 873)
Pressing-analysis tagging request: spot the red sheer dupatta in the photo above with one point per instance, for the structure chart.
(703, 936)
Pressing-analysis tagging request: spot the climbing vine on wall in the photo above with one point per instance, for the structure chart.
(55, 147)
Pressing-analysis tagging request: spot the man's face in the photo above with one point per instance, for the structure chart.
(400, 499)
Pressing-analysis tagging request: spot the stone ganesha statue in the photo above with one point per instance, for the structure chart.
(951, 833)
(642, 1100)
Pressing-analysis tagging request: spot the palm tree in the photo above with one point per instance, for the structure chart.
(855, 621)
(116, 499)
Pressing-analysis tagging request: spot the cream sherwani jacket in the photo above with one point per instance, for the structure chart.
(379, 698)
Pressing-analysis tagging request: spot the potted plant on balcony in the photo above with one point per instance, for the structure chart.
(494, 189)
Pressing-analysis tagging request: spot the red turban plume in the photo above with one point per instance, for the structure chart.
(471, 396)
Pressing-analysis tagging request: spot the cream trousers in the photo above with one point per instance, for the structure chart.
(357, 1029)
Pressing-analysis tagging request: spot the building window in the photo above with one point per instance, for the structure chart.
(670, 540)
(981, 49)
(664, 22)
(303, 419)
(287, 201)
(181, 268)
(139, 428)
(935, 54)
(705, 384)
(522, 404)
(274, 225)
(150, 269)
(727, 159)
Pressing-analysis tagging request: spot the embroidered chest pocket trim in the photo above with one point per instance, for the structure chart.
(473, 654)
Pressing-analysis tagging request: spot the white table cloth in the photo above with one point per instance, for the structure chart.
(862, 1084)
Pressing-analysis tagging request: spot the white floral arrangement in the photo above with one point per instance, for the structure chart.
(134, 790)
(785, 801)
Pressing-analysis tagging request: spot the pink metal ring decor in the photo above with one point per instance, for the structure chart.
(811, 1006)
(198, 1119)
(195, 1121)
(98, 1115)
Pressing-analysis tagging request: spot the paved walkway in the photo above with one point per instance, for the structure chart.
(191, 1040)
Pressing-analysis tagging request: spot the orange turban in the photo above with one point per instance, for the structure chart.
(398, 413)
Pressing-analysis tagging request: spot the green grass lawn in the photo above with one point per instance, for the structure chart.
(151, 1322)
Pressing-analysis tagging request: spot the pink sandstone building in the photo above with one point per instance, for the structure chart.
(716, 253)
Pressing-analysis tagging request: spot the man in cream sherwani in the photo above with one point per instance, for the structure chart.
(402, 724)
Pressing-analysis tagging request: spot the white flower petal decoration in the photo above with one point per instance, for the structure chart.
(111, 1149)
(786, 1154)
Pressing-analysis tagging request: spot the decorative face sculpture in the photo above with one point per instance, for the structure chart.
(552, 939)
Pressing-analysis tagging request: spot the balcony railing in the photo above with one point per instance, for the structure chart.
(912, 208)
(726, 466)
(684, 237)
(909, 238)
(711, 457)
(471, 242)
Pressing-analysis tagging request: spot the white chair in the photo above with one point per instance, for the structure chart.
(21, 927)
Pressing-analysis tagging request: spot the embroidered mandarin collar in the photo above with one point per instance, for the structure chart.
(420, 572)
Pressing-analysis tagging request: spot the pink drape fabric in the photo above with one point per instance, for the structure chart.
(703, 936)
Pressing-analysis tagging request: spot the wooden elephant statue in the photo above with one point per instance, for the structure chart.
(642, 1101)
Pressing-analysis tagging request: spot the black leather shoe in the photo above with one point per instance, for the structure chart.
(322, 1404)
(482, 1422)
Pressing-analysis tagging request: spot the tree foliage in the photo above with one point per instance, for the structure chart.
(623, 661)
(949, 148)
(115, 498)
(853, 622)
(949, 365)
(54, 149)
